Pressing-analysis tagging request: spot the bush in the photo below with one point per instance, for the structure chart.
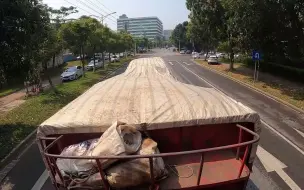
(287, 72)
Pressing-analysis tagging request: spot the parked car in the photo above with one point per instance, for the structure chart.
(196, 55)
(90, 66)
(182, 52)
(213, 59)
(188, 52)
(114, 58)
(72, 73)
(221, 55)
(121, 55)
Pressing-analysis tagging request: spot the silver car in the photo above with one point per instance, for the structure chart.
(213, 59)
(72, 73)
(90, 66)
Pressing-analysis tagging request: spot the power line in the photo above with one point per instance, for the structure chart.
(101, 10)
(106, 8)
(89, 7)
(86, 10)
(78, 7)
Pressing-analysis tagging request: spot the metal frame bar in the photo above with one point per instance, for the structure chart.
(200, 170)
(239, 141)
(150, 157)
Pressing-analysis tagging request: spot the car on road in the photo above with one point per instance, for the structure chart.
(114, 58)
(182, 52)
(221, 55)
(213, 59)
(196, 55)
(90, 66)
(72, 73)
(188, 52)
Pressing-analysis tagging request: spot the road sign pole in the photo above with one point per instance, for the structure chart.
(254, 74)
(258, 70)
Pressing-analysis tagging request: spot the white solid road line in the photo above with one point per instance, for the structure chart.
(187, 63)
(300, 132)
(271, 164)
(268, 126)
(41, 181)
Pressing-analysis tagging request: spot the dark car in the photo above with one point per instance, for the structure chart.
(188, 52)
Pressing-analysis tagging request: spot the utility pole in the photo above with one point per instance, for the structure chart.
(178, 45)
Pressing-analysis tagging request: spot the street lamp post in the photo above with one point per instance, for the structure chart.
(102, 19)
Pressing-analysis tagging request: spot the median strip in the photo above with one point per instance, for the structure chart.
(19, 123)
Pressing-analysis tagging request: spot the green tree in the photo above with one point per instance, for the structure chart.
(179, 36)
(76, 35)
(23, 27)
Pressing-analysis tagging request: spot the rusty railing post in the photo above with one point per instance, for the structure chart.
(243, 161)
(200, 170)
(240, 140)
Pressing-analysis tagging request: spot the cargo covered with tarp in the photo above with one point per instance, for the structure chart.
(146, 93)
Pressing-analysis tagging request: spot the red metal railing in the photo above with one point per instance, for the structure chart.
(51, 158)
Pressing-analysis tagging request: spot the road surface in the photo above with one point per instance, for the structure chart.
(280, 157)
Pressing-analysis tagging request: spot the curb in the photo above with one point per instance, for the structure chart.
(14, 153)
(254, 88)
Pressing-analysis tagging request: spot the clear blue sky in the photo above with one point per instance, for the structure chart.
(170, 12)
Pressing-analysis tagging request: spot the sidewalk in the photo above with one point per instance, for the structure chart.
(15, 99)
(286, 90)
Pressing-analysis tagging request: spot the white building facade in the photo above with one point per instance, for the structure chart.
(149, 27)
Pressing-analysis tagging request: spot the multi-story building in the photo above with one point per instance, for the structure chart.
(149, 27)
(167, 34)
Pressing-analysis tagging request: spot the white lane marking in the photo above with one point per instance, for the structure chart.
(185, 78)
(187, 63)
(170, 63)
(41, 181)
(271, 164)
(300, 132)
(268, 126)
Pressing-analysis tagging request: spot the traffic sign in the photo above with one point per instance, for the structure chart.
(256, 56)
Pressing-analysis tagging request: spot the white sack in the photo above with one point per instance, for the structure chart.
(119, 139)
(73, 166)
(136, 172)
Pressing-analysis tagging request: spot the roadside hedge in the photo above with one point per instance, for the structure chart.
(287, 72)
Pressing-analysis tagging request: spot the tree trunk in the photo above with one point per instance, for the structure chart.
(103, 60)
(109, 58)
(82, 60)
(54, 58)
(231, 60)
(94, 63)
(49, 79)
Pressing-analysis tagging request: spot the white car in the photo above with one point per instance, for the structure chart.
(221, 55)
(72, 73)
(182, 52)
(114, 58)
(196, 55)
(213, 59)
(90, 66)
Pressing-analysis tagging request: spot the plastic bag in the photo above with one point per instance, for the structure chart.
(73, 166)
(119, 139)
(136, 172)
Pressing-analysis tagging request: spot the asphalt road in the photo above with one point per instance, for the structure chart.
(279, 164)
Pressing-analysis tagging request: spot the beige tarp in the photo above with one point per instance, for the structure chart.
(146, 93)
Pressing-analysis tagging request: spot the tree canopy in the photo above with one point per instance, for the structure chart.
(273, 27)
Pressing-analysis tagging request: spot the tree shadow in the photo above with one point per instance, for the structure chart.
(59, 98)
(292, 89)
(11, 135)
